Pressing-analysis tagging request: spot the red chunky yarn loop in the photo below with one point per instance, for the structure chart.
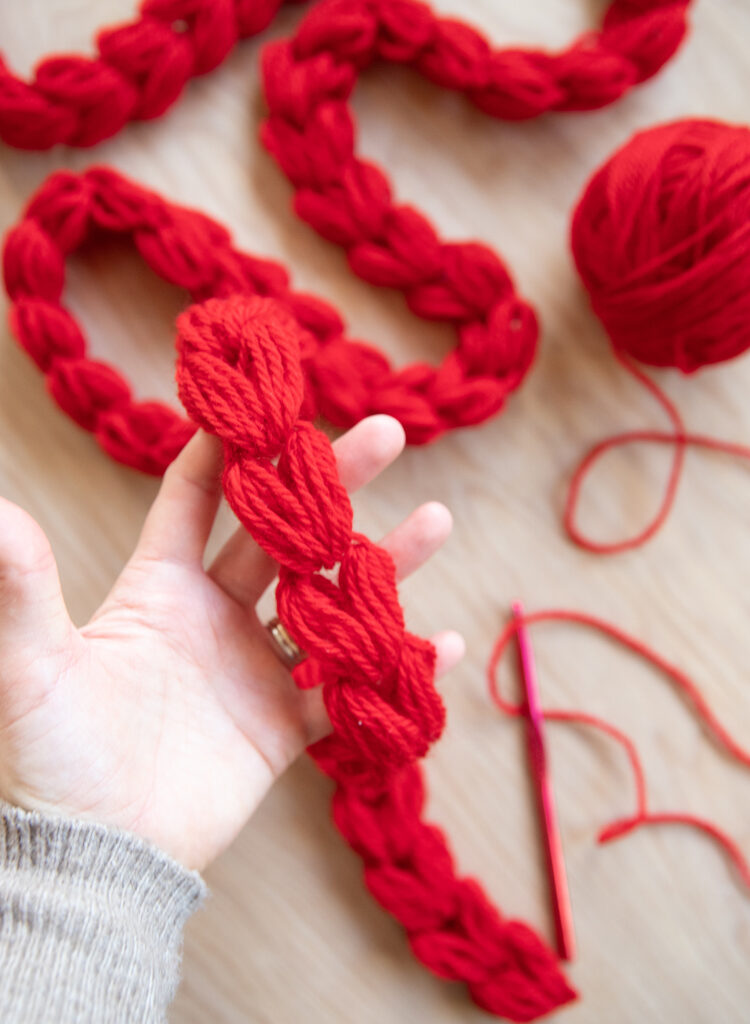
(345, 380)
(142, 67)
(239, 376)
(338, 38)
(661, 239)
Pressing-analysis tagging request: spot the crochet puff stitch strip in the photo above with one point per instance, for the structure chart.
(311, 132)
(138, 71)
(240, 377)
(345, 380)
(140, 68)
(336, 39)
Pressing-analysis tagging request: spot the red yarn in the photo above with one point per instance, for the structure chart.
(142, 67)
(311, 133)
(345, 380)
(688, 688)
(240, 378)
(139, 71)
(661, 238)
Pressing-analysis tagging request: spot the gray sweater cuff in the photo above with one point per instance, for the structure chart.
(91, 922)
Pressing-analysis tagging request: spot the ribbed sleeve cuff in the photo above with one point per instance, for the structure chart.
(91, 922)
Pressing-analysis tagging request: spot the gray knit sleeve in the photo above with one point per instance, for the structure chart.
(91, 922)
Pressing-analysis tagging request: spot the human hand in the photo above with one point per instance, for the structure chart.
(169, 714)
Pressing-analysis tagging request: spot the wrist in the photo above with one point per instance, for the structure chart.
(89, 912)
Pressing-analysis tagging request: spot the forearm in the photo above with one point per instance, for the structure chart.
(91, 922)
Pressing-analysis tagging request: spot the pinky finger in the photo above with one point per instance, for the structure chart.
(449, 650)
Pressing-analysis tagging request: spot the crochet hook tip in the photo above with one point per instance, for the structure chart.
(558, 882)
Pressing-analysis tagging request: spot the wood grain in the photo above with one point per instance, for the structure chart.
(290, 934)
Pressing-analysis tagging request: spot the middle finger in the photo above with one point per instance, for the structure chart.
(243, 570)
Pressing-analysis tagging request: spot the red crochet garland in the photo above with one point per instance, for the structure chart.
(311, 133)
(240, 377)
(142, 67)
(346, 380)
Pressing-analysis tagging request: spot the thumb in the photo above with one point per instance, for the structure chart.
(32, 609)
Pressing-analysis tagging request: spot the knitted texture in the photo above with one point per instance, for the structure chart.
(92, 922)
(141, 68)
(239, 376)
(139, 71)
(345, 380)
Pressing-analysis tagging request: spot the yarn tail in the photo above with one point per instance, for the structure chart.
(685, 686)
(678, 438)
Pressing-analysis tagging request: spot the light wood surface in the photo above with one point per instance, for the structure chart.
(290, 933)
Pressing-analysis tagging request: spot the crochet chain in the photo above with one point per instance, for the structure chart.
(142, 67)
(345, 380)
(248, 372)
(139, 70)
(239, 376)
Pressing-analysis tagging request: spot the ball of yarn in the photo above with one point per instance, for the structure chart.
(661, 238)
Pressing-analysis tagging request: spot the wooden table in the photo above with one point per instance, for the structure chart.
(290, 934)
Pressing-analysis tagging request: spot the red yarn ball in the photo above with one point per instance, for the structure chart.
(661, 239)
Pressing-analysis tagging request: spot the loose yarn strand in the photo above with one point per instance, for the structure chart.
(686, 686)
(588, 462)
(680, 438)
(623, 826)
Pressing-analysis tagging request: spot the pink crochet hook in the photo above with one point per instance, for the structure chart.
(558, 881)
